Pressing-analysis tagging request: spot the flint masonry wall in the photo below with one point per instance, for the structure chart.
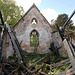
(25, 26)
(7, 49)
(59, 43)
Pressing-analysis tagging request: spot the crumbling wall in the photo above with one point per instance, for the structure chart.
(7, 46)
(25, 26)
(56, 39)
(59, 43)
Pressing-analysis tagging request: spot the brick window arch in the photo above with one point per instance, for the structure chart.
(34, 38)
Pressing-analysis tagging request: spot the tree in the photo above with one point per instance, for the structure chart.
(10, 11)
(62, 18)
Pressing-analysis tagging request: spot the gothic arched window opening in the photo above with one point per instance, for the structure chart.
(34, 21)
(34, 38)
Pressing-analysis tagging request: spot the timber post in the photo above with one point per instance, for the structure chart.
(13, 41)
(70, 52)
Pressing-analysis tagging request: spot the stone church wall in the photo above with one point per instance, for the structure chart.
(7, 49)
(23, 29)
(59, 44)
(25, 26)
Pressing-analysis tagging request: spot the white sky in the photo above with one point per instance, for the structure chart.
(27, 3)
(50, 14)
(47, 12)
(73, 18)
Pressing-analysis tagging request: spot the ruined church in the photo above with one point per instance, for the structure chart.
(34, 34)
(34, 31)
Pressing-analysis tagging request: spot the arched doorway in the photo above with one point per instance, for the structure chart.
(34, 39)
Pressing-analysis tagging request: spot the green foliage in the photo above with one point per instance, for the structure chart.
(50, 59)
(34, 41)
(10, 11)
(58, 70)
(54, 59)
(54, 28)
(62, 18)
(13, 58)
(34, 57)
(72, 27)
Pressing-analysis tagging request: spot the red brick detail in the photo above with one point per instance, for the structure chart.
(24, 46)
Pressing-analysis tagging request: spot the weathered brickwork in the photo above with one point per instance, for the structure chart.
(23, 30)
(24, 27)
(59, 43)
(7, 46)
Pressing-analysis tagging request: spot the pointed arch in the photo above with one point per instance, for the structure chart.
(34, 38)
(34, 21)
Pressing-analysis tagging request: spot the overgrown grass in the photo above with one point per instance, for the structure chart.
(33, 57)
(58, 70)
(49, 60)
(13, 58)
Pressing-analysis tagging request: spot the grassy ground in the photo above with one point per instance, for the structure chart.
(32, 58)
(49, 60)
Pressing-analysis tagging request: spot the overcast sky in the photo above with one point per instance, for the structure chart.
(50, 8)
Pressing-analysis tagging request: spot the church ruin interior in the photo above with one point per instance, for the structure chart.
(31, 47)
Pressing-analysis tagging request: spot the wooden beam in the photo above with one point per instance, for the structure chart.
(38, 61)
(69, 67)
(24, 59)
(13, 41)
(43, 73)
(59, 64)
(70, 51)
(70, 31)
(67, 72)
(38, 68)
(1, 18)
(1, 42)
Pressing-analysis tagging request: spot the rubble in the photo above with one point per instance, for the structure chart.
(19, 66)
